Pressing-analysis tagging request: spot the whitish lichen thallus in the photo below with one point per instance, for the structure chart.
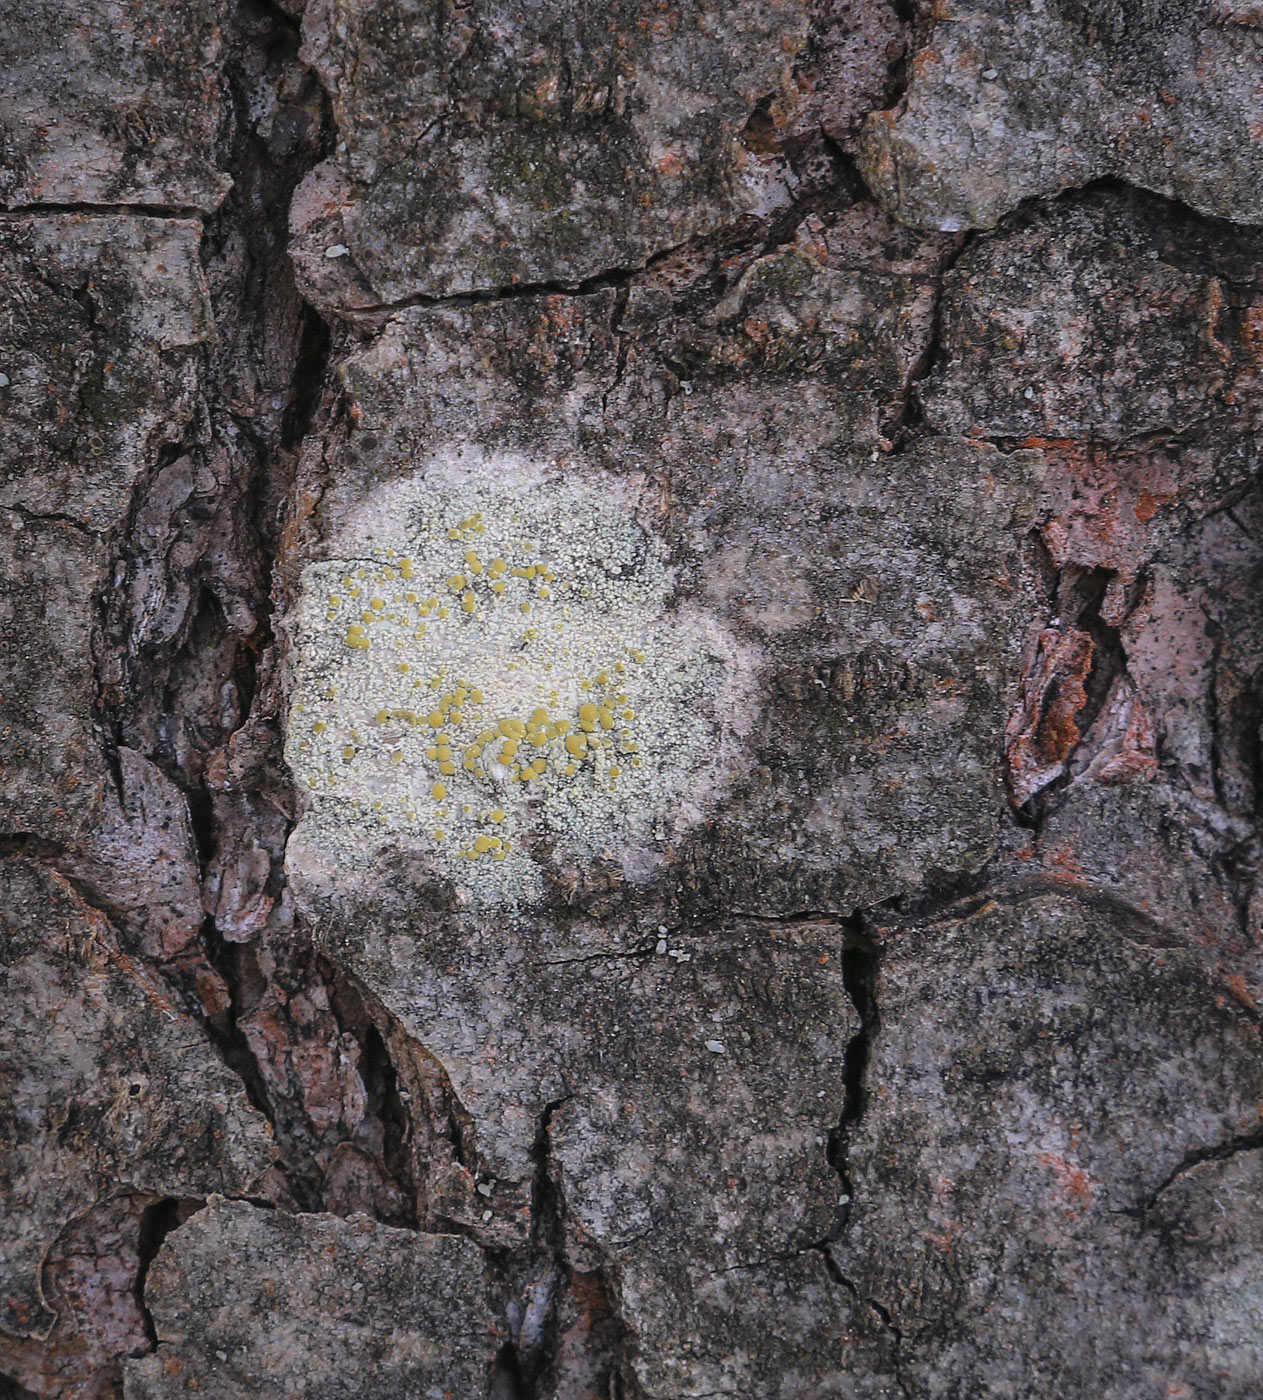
(499, 663)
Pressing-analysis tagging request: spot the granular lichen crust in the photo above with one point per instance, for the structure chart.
(493, 673)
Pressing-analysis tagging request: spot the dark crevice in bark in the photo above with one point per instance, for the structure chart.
(909, 13)
(507, 1381)
(537, 1343)
(389, 1124)
(188, 684)
(32, 846)
(146, 211)
(281, 17)
(311, 374)
(909, 423)
(637, 952)
(384, 1132)
(860, 963)
(859, 976)
(845, 187)
(807, 917)
(1218, 739)
(534, 1313)
(10, 1389)
(32, 517)
(547, 1207)
(263, 382)
(387, 1108)
(156, 1223)
(895, 1333)
(546, 1297)
(1250, 724)
(225, 1030)
(607, 280)
(759, 132)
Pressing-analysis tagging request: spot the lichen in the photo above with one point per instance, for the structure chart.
(495, 675)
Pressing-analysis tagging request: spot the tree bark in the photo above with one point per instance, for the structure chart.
(631, 681)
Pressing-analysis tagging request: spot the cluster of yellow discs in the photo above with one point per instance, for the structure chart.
(556, 739)
(520, 750)
(478, 584)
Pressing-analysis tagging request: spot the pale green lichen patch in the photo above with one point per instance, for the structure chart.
(497, 667)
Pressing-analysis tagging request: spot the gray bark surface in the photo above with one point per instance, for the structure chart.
(631, 677)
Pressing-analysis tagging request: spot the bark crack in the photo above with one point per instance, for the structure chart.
(1220, 1152)
(859, 976)
(610, 279)
(104, 210)
(860, 968)
(32, 517)
(908, 421)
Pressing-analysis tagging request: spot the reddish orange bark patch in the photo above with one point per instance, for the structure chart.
(1102, 501)
(1043, 730)
(1074, 1183)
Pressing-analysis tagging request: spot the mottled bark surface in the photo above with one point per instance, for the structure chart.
(631, 674)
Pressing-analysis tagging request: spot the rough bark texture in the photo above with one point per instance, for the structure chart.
(631, 681)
